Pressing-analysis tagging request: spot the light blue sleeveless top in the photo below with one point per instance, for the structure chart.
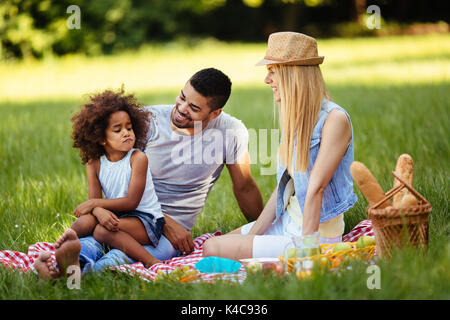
(338, 195)
(115, 179)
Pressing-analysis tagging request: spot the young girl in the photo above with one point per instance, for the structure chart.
(109, 130)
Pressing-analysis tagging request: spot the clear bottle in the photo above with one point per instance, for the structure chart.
(291, 254)
(310, 246)
(298, 248)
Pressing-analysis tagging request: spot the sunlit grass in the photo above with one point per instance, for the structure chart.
(395, 90)
(372, 61)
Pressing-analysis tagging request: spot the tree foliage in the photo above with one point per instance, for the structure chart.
(37, 28)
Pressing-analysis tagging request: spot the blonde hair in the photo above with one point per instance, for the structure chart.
(302, 90)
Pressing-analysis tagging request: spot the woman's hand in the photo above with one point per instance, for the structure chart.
(85, 208)
(106, 218)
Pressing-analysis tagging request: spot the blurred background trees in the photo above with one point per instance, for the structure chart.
(38, 28)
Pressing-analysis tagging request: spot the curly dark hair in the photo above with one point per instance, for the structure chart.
(89, 125)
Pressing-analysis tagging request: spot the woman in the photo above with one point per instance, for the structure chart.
(314, 185)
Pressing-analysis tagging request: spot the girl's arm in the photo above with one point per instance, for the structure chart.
(336, 135)
(139, 165)
(95, 189)
(92, 169)
(266, 217)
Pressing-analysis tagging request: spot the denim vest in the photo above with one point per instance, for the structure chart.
(338, 196)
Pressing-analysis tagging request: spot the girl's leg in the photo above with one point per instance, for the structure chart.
(115, 257)
(129, 240)
(84, 225)
(231, 246)
(134, 227)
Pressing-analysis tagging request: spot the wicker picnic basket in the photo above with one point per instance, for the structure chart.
(395, 227)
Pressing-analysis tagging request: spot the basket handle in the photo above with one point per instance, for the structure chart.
(409, 187)
(403, 184)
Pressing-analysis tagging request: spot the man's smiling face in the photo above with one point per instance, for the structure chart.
(191, 106)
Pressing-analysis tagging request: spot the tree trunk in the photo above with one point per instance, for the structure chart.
(402, 9)
(291, 15)
(356, 11)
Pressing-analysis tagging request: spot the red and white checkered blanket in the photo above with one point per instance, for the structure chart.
(364, 228)
(15, 260)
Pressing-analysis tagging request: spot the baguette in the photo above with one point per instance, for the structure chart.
(407, 201)
(368, 184)
(405, 169)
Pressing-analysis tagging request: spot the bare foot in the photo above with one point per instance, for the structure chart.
(68, 251)
(63, 238)
(42, 266)
(52, 267)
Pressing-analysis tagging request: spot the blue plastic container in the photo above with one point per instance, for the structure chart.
(217, 265)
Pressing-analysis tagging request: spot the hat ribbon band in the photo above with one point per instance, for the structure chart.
(276, 59)
(288, 60)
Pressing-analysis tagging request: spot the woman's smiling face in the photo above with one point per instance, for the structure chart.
(272, 80)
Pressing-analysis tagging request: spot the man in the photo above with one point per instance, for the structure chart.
(188, 145)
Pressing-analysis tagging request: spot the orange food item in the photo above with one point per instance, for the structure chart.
(407, 201)
(405, 169)
(368, 185)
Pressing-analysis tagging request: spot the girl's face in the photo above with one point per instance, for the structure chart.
(119, 133)
(272, 80)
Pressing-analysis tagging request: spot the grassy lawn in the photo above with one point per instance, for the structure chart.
(395, 90)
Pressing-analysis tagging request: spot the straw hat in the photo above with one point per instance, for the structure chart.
(291, 48)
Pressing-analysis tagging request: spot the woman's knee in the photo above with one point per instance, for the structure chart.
(207, 247)
(210, 247)
(231, 246)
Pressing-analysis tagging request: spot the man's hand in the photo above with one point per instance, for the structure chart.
(85, 208)
(106, 218)
(178, 236)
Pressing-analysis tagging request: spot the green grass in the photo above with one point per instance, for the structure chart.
(368, 61)
(395, 90)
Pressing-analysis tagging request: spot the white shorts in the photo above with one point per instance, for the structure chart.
(277, 237)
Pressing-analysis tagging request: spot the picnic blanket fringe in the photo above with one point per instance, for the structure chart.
(22, 262)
